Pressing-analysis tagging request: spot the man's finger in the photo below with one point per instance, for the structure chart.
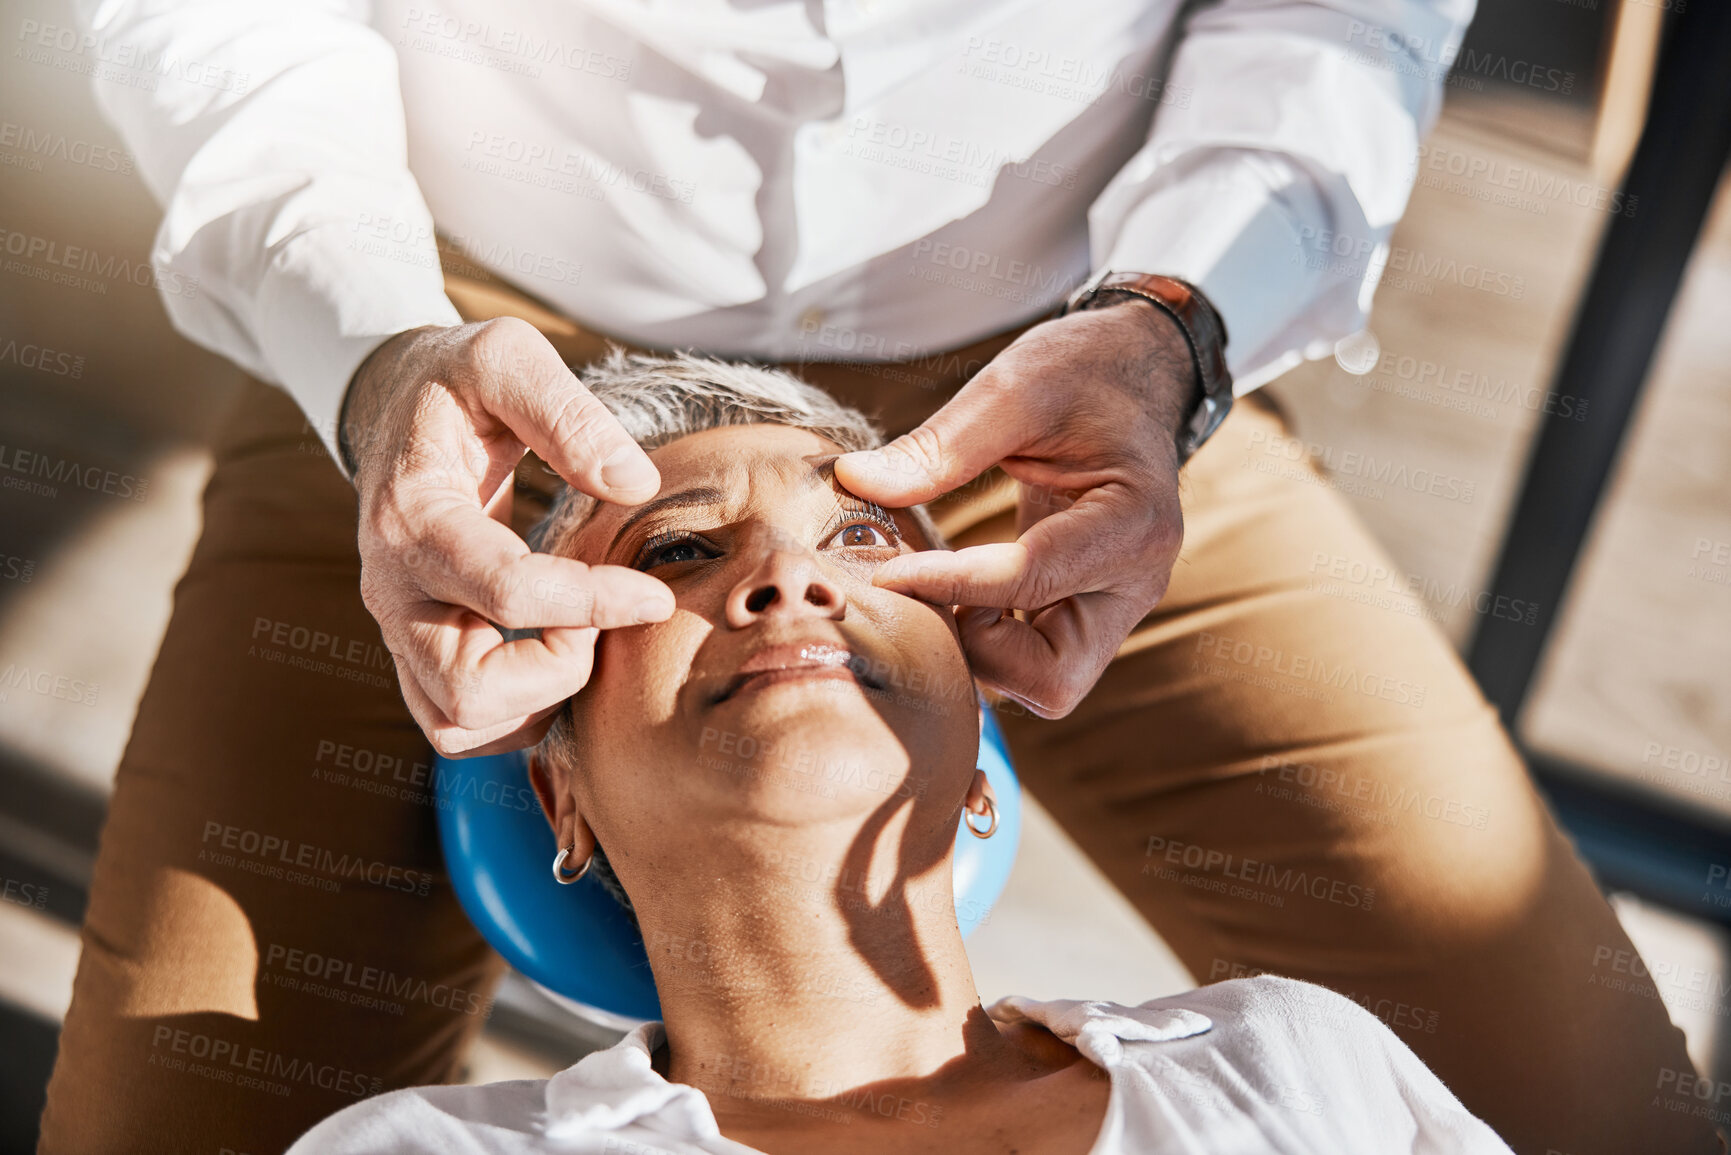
(981, 575)
(468, 559)
(1078, 550)
(979, 427)
(477, 679)
(1050, 663)
(544, 404)
(453, 741)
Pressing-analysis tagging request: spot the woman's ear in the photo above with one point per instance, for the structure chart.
(979, 790)
(560, 809)
(543, 784)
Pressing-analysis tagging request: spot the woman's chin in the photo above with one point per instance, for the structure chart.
(803, 742)
(798, 711)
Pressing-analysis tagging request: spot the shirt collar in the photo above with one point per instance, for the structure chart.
(1099, 1029)
(617, 1087)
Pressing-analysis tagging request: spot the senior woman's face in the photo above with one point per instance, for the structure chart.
(785, 687)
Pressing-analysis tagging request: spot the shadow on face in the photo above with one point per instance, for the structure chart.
(786, 693)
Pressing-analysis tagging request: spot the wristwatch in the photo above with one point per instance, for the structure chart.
(1202, 327)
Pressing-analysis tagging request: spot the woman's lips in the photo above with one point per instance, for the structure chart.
(797, 662)
(747, 683)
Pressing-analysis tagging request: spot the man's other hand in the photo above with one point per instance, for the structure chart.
(1083, 411)
(437, 420)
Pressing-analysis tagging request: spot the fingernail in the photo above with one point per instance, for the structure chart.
(628, 469)
(653, 610)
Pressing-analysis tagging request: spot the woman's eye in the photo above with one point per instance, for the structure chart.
(679, 551)
(862, 535)
(670, 551)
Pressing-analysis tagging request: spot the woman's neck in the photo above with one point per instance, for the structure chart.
(789, 970)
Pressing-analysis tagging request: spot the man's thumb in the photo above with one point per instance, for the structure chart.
(955, 445)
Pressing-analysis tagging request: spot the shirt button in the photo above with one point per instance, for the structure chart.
(812, 320)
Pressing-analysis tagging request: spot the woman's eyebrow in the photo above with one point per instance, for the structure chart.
(823, 473)
(822, 470)
(702, 495)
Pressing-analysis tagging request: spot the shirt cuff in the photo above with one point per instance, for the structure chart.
(1242, 227)
(324, 305)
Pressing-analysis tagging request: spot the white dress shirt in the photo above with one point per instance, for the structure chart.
(850, 179)
(1263, 1066)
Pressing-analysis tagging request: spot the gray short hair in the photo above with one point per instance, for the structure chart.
(659, 399)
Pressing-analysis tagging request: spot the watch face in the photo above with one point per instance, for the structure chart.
(1087, 293)
(1210, 416)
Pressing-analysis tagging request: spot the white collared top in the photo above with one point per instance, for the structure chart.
(1269, 1066)
(817, 179)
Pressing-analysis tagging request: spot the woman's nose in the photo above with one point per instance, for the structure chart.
(786, 582)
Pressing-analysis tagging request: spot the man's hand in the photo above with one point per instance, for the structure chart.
(1084, 412)
(437, 420)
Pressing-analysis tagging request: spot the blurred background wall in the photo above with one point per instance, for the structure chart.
(1632, 697)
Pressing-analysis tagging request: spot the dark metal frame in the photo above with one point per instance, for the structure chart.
(1632, 837)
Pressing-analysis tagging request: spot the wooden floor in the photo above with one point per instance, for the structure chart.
(1637, 681)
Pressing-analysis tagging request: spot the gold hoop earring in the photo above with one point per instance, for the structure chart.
(991, 812)
(559, 874)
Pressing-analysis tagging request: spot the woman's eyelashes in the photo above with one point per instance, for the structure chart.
(862, 534)
(853, 529)
(861, 525)
(666, 548)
